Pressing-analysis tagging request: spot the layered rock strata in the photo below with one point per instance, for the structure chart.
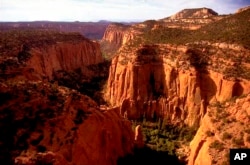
(165, 81)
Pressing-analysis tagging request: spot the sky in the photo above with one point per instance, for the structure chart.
(112, 10)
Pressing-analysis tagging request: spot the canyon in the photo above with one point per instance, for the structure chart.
(179, 80)
(44, 122)
(173, 89)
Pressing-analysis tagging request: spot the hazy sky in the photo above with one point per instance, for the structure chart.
(114, 10)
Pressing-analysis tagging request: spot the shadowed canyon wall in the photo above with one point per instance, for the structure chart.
(42, 123)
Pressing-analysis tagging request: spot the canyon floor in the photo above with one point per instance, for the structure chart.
(170, 90)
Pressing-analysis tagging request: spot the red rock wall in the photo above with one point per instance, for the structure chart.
(64, 56)
(162, 88)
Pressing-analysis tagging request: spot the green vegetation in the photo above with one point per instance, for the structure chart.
(164, 137)
(233, 29)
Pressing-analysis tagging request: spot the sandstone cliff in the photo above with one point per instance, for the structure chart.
(44, 53)
(64, 56)
(44, 123)
(222, 128)
(115, 36)
(173, 82)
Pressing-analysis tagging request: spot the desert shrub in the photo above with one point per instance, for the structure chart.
(247, 130)
(248, 138)
(217, 145)
(226, 136)
(238, 141)
(209, 133)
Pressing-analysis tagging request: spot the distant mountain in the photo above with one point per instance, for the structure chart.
(91, 30)
(194, 13)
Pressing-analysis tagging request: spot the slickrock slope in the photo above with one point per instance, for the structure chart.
(39, 54)
(223, 127)
(175, 82)
(45, 123)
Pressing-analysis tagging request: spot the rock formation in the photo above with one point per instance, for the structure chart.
(192, 19)
(194, 13)
(48, 53)
(64, 56)
(149, 81)
(222, 128)
(45, 123)
(138, 137)
(115, 36)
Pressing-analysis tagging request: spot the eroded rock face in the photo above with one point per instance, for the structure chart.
(157, 81)
(47, 54)
(139, 137)
(115, 36)
(56, 125)
(64, 56)
(222, 128)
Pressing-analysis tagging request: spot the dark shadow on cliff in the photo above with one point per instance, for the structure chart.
(237, 89)
(199, 58)
(91, 85)
(150, 157)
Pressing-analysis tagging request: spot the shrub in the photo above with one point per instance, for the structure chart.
(226, 136)
(217, 145)
(209, 133)
(238, 141)
(247, 131)
(248, 138)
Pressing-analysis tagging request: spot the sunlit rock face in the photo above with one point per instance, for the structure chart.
(165, 81)
(48, 53)
(194, 13)
(222, 128)
(115, 37)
